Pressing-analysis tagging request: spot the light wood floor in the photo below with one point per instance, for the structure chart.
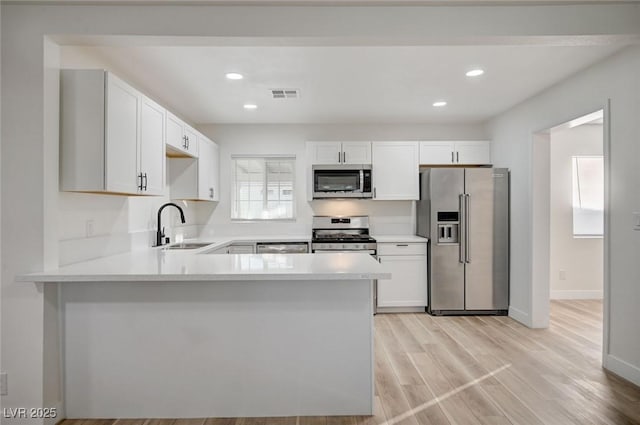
(480, 371)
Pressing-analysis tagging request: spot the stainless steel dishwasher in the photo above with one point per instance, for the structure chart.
(282, 248)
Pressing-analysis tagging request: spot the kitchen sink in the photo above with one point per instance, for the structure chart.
(188, 245)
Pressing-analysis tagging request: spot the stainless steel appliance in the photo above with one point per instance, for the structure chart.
(341, 181)
(344, 234)
(465, 214)
(282, 247)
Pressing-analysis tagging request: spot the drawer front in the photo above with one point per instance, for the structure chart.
(401, 248)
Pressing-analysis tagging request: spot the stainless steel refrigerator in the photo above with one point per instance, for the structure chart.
(465, 214)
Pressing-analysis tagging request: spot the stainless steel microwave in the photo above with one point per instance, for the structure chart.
(341, 181)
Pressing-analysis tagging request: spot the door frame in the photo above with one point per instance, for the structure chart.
(540, 227)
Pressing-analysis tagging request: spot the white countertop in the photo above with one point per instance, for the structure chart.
(156, 265)
(399, 238)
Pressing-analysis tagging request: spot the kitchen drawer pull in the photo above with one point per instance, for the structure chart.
(402, 244)
(145, 181)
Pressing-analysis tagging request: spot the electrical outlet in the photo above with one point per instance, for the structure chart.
(562, 275)
(4, 388)
(89, 228)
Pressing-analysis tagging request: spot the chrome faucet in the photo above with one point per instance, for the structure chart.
(160, 231)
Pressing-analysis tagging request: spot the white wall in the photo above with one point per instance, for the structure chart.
(615, 80)
(387, 217)
(581, 259)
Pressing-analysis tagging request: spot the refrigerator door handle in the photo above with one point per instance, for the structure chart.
(463, 227)
(467, 213)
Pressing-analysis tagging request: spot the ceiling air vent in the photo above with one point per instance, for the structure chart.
(285, 93)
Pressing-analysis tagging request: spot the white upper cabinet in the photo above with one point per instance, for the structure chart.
(395, 169)
(337, 153)
(473, 152)
(151, 151)
(196, 179)
(356, 152)
(112, 138)
(455, 153)
(121, 134)
(182, 140)
(208, 170)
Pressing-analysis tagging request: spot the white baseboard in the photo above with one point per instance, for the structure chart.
(520, 316)
(577, 295)
(623, 369)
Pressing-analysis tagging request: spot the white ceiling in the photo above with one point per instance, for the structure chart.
(339, 84)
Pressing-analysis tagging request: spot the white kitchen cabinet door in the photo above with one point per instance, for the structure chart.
(473, 153)
(121, 143)
(437, 153)
(152, 147)
(325, 153)
(181, 139)
(396, 170)
(408, 284)
(207, 170)
(191, 138)
(196, 179)
(215, 173)
(356, 152)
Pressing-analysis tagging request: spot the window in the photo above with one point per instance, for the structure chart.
(588, 196)
(263, 188)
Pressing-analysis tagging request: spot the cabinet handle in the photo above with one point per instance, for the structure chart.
(452, 161)
(457, 157)
(188, 142)
(374, 193)
(402, 244)
(344, 157)
(139, 177)
(211, 192)
(339, 158)
(145, 181)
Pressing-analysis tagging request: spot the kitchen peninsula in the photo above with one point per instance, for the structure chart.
(160, 333)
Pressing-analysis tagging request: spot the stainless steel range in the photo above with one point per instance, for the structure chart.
(345, 234)
(342, 234)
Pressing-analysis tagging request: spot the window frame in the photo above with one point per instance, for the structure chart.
(265, 158)
(576, 173)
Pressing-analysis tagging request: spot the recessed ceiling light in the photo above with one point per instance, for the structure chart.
(475, 72)
(233, 76)
(440, 104)
(250, 106)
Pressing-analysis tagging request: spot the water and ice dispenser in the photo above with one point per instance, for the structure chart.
(448, 227)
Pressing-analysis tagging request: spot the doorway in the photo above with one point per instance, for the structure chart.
(569, 181)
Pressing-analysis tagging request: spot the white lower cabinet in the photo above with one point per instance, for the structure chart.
(408, 284)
